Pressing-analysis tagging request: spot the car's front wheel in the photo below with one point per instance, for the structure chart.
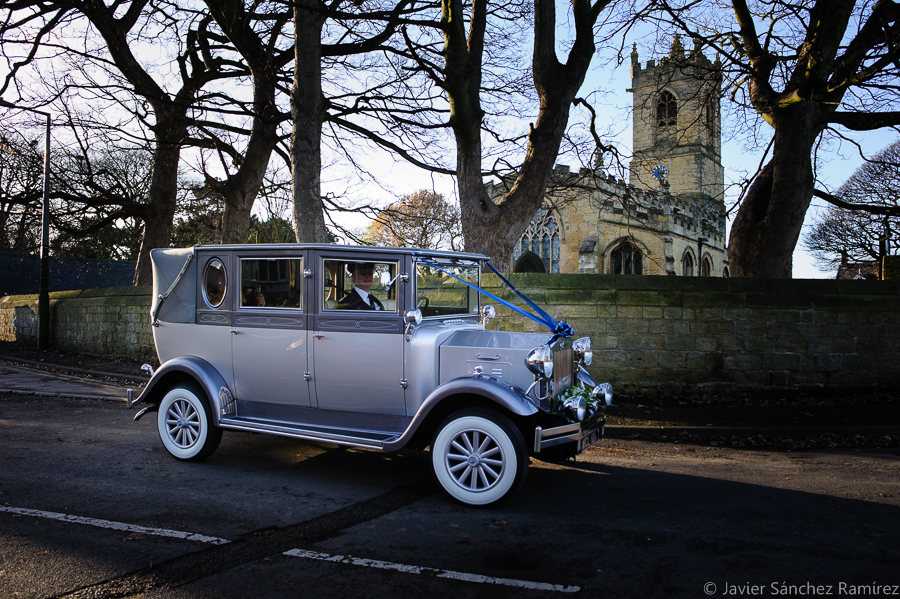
(185, 424)
(479, 457)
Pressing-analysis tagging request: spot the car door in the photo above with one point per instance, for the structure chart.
(269, 335)
(210, 338)
(358, 345)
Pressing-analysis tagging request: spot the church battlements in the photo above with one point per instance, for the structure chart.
(614, 200)
(677, 59)
(693, 212)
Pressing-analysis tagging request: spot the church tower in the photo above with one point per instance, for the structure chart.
(677, 125)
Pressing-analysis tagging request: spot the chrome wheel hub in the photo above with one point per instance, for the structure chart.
(183, 423)
(474, 460)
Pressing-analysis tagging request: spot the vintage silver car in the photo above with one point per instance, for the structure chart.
(380, 348)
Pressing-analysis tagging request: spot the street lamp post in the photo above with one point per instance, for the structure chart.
(44, 288)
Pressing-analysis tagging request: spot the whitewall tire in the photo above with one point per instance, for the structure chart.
(185, 424)
(479, 457)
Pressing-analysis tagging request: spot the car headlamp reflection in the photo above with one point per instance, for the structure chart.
(540, 361)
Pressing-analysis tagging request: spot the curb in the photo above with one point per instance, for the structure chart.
(661, 432)
(63, 395)
(59, 367)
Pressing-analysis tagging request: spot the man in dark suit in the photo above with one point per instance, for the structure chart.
(359, 297)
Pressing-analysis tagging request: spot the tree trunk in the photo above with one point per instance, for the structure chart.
(159, 212)
(170, 113)
(308, 112)
(768, 223)
(489, 227)
(240, 190)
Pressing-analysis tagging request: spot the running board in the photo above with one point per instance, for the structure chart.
(354, 438)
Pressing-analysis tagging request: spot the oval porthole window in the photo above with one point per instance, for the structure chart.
(214, 283)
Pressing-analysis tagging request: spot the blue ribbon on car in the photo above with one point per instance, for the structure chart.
(559, 329)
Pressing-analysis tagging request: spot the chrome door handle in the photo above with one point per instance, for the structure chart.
(480, 357)
(318, 336)
(234, 331)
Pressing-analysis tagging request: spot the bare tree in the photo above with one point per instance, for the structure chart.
(808, 70)
(256, 35)
(171, 121)
(493, 227)
(357, 30)
(846, 234)
(111, 74)
(423, 219)
(21, 179)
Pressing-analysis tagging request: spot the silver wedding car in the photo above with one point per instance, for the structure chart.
(382, 348)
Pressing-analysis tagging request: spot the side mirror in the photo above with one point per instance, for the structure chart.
(413, 318)
(386, 280)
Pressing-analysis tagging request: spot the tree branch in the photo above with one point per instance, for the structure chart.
(864, 121)
(836, 201)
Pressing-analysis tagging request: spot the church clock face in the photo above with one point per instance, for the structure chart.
(660, 172)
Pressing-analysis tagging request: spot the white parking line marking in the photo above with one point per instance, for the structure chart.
(463, 576)
(342, 559)
(159, 532)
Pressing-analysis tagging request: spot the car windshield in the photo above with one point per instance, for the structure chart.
(440, 294)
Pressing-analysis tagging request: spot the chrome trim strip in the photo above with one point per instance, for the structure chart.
(299, 433)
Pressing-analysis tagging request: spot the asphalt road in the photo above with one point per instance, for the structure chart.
(92, 506)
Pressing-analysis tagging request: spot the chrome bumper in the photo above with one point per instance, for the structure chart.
(585, 434)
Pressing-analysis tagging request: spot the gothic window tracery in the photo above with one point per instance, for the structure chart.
(626, 259)
(666, 110)
(706, 268)
(687, 265)
(541, 238)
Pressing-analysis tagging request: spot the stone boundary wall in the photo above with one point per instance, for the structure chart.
(681, 332)
(114, 321)
(648, 331)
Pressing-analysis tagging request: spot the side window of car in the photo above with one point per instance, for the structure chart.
(357, 285)
(215, 283)
(271, 283)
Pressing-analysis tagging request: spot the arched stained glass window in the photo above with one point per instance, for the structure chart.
(666, 110)
(626, 259)
(705, 268)
(542, 238)
(687, 265)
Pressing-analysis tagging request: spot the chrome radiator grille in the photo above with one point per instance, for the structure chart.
(563, 371)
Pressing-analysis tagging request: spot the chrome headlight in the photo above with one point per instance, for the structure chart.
(540, 361)
(487, 313)
(576, 406)
(603, 393)
(583, 352)
(584, 377)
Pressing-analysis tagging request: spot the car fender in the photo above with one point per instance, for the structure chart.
(188, 369)
(506, 396)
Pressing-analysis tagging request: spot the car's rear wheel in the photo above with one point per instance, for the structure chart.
(185, 424)
(479, 457)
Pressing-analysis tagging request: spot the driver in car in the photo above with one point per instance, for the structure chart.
(359, 298)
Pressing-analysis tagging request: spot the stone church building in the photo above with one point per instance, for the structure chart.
(669, 218)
